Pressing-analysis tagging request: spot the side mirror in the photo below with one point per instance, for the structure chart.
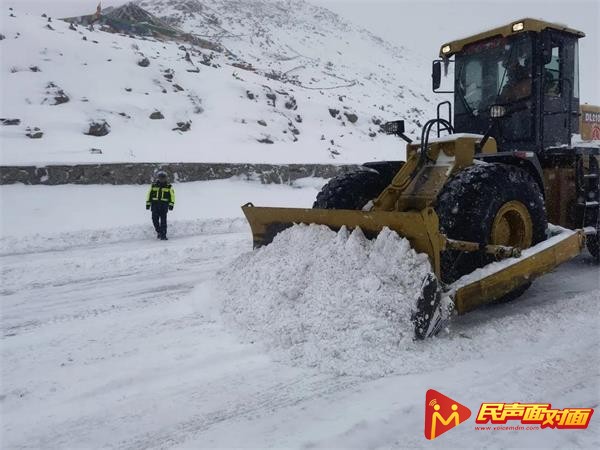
(436, 75)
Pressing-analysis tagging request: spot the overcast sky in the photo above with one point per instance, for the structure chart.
(426, 24)
(423, 25)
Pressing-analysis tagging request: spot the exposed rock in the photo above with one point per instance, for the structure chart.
(194, 70)
(168, 74)
(35, 69)
(128, 89)
(295, 131)
(244, 66)
(250, 95)
(334, 112)
(157, 115)
(72, 26)
(2, 36)
(95, 151)
(49, 27)
(372, 134)
(10, 121)
(298, 118)
(144, 62)
(57, 93)
(376, 120)
(33, 133)
(272, 97)
(183, 126)
(60, 97)
(262, 122)
(265, 140)
(100, 128)
(177, 88)
(352, 118)
(84, 38)
(291, 103)
(132, 14)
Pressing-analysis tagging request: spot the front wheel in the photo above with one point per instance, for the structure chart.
(489, 204)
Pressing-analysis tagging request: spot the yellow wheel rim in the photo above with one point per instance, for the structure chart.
(512, 226)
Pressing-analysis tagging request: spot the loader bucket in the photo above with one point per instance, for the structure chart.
(421, 229)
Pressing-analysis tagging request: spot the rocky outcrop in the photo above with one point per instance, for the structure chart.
(157, 115)
(100, 128)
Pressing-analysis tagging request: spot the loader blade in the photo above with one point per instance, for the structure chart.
(499, 279)
(420, 228)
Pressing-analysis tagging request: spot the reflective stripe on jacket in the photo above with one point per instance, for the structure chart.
(161, 194)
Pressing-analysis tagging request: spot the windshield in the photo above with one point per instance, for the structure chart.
(497, 71)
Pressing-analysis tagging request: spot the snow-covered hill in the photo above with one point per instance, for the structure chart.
(260, 81)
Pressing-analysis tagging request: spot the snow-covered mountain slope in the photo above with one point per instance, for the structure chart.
(259, 81)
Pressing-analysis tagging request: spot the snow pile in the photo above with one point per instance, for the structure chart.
(336, 301)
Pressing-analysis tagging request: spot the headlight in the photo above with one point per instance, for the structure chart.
(445, 49)
(518, 26)
(497, 111)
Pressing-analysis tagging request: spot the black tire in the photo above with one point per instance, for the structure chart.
(468, 204)
(352, 190)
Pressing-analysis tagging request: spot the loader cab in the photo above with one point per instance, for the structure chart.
(519, 83)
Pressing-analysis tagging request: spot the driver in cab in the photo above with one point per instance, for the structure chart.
(517, 80)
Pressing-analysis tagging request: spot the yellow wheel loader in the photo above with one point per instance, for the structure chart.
(477, 192)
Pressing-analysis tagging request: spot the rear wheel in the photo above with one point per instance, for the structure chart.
(352, 190)
(489, 204)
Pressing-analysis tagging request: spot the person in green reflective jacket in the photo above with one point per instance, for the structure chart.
(161, 200)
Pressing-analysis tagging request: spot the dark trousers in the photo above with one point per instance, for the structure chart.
(159, 218)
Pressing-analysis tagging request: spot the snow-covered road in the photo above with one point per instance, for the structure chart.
(121, 343)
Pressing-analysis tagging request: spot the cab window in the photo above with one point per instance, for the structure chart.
(552, 74)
